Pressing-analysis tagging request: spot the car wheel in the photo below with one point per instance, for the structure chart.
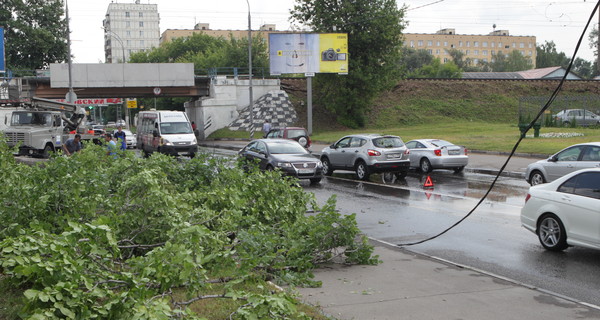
(536, 178)
(270, 168)
(425, 165)
(401, 174)
(47, 150)
(303, 141)
(361, 171)
(459, 169)
(551, 233)
(327, 169)
(315, 180)
(192, 155)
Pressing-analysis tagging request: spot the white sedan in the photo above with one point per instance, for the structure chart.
(565, 212)
(429, 154)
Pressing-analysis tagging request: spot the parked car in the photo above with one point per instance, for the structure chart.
(121, 123)
(580, 117)
(294, 133)
(566, 211)
(130, 138)
(429, 154)
(286, 155)
(367, 154)
(98, 129)
(575, 157)
(111, 124)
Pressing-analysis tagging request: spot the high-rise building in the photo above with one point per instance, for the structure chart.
(129, 28)
(477, 48)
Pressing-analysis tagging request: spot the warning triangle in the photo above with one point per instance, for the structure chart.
(428, 195)
(428, 182)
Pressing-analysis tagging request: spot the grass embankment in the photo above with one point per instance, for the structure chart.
(481, 115)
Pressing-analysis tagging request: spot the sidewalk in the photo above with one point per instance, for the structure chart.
(412, 286)
(408, 285)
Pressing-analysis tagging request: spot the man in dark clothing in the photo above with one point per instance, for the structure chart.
(120, 134)
(72, 145)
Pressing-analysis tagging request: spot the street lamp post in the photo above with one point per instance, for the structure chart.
(250, 73)
(116, 36)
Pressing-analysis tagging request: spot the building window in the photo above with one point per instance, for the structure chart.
(430, 51)
(475, 43)
(420, 43)
(484, 44)
(141, 24)
(475, 61)
(128, 42)
(468, 44)
(142, 43)
(514, 45)
(126, 14)
(530, 45)
(141, 33)
(493, 52)
(493, 44)
(467, 51)
(484, 52)
(429, 43)
(437, 43)
(485, 60)
(476, 52)
(445, 43)
(522, 52)
(128, 33)
(499, 44)
(499, 52)
(127, 24)
(460, 43)
(521, 45)
(141, 15)
(530, 53)
(437, 51)
(445, 60)
(412, 43)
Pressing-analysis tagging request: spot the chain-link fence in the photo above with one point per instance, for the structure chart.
(565, 111)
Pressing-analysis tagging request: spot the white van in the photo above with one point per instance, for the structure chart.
(168, 132)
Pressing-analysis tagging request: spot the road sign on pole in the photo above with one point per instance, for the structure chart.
(132, 103)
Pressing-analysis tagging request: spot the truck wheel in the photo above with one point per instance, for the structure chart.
(47, 150)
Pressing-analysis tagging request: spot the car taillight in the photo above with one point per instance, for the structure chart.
(309, 142)
(373, 153)
(407, 151)
(437, 152)
(466, 151)
(527, 197)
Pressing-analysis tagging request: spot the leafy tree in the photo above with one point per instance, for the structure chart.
(548, 56)
(583, 68)
(436, 69)
(412, 60)
(35, 33)
(459, 59)
(514, 61)
(374, 29)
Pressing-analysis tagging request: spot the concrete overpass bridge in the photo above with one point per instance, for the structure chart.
(214, 102)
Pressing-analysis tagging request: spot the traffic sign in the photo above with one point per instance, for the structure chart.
(132, 103)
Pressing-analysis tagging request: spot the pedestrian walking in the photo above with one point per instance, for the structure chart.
(111, 145)
(266, 128)
(120, 134)
(72, 145)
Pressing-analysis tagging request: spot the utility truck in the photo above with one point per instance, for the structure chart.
(41, 126)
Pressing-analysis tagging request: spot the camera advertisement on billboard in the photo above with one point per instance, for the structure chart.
(308, 53)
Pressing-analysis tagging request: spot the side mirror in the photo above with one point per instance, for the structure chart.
(332, 146)
(155, 133)
(553, 159)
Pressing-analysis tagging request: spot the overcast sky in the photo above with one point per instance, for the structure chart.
(559, 21)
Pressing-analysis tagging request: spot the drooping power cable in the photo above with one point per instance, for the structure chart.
(540, 113)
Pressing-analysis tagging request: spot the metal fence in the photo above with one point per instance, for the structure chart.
(565, 111)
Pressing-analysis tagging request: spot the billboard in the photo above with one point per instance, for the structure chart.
(308, 53)
(2, 66)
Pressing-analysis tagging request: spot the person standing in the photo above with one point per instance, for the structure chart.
(120, 134)
(111, 145)
(266, 128)
(72, 145)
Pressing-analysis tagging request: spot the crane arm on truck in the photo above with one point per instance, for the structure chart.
(72, 123)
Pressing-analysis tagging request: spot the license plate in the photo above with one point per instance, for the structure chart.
(394, 156)
(305, 171)
(453, 152)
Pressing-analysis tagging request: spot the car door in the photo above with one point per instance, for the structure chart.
(256, 152)
(589, 118)
(338, 153)
(417, 152)
(352, 152)
(590, 158)
(580, 202)
(563, 162)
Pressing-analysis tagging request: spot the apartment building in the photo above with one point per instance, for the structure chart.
(479, 48)
(129, 28)
(170, 34)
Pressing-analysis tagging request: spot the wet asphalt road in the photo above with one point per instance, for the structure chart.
(491, 239)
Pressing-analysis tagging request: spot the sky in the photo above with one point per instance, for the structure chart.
(559, 21)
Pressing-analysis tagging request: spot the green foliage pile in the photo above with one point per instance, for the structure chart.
(92, 237)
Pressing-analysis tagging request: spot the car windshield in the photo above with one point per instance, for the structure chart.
(440, 143)
(388, 142)
(175, 127)
(286, 148)
(31, 118)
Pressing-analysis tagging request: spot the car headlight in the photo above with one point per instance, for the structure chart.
(166, 142)
(319, 164)
(284, 164)
(194, 141)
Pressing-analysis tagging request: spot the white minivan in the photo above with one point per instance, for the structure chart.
(168, 132)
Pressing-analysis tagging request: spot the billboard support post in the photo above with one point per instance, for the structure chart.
(309, 104)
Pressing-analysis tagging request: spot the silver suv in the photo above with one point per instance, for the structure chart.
(366, 154)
